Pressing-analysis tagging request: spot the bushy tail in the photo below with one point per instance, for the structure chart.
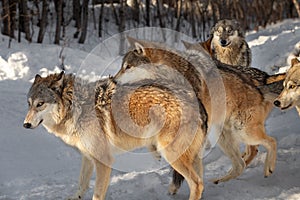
(177, 179)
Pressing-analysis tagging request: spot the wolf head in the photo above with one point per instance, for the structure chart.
(290, 95)
(227, 32)
(133, 58)
(45, 101)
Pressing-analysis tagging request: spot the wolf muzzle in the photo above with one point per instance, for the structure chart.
(224, 43)
(30, 126)
(27, 125)
(277, 103)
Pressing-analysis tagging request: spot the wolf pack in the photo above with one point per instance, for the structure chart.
(168, 101)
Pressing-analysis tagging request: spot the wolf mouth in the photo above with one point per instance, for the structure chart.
(286, 107)
(40, 122)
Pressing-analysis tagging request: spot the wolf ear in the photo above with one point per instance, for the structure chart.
(212, 30)
(136, 44)
(60, 78)
(57, 84)
(187, 44)
(237, 24)
(294, 61)
(37, 78)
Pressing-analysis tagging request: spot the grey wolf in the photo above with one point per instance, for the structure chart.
(246, 107)
(65, 107)
(228, 44)
(290, 95)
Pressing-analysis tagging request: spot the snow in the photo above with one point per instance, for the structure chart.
(36, 165)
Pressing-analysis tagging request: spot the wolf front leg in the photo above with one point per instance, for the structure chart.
(103, 171)
(86, 172)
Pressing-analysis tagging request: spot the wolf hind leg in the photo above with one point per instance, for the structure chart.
(154, 152)
(190, 173)
(178, 178)
(256, 135)
(231, 148)
(250, 153)
(270, 144)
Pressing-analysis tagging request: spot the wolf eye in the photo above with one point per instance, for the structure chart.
(127, 66)
(40, 104)
(292, 87)
(229, 31)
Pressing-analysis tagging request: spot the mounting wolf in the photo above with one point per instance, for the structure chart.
(166, 119)
(228, 44)
(246, 107)
(290, 95)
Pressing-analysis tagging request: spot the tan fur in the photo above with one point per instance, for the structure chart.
(269, 85)
(228, 44)
(176, 141)
(246, 108)
(66, 108)
(290, 95)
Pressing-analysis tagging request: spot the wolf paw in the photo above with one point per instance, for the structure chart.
(157, 156)
(172, 189)
(268, 173)
(215, 181)
(74, 198)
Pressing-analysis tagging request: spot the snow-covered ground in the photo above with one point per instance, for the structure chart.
(36, 165)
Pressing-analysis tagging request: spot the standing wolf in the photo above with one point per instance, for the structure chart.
(246, 108)
(228, 44)
(65, 107)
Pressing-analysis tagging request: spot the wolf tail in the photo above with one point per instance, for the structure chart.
(177, 179)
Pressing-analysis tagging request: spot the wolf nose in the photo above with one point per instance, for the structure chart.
(27, 125)
(277, 103)
(223, 42)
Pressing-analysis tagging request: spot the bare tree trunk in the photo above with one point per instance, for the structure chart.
(24, 19)
(85, 17)
(179, 14)
(115, 12)
(193, 22)
(93, 13)
(77, 16)
(58, 8)
(268, 14)
(5, 17)
(13, 13)
(296, 3)
(9, 8)
(43, 22)
(148, 12)
(159, 14)
(136, 12)
(122, 26)
(100, 19)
